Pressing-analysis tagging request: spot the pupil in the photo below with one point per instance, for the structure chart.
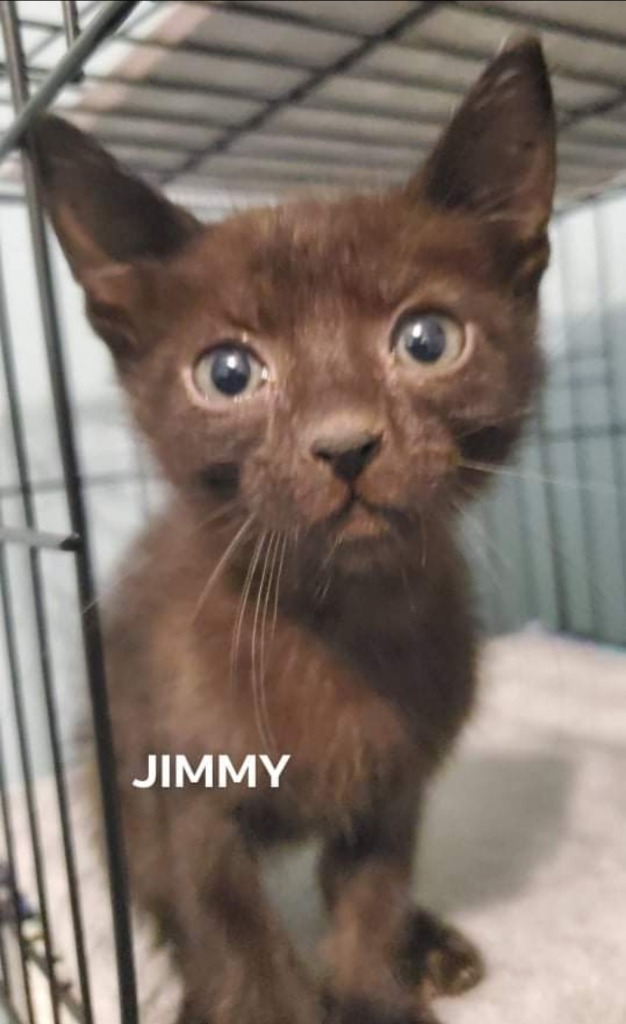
(426, 340)
(230, 371)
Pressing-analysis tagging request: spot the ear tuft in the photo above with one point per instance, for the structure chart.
(497, 157)
(101, 213)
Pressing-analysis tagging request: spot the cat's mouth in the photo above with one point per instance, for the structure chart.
(359, 520)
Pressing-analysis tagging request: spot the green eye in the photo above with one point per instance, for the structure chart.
(431, 341)
(229, 372)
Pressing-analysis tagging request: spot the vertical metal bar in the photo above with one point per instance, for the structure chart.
(618, 469)
(536, 538)
(41, 625)
(529, 584)
(11, 644)
(7, 826)
(500, 620)
(580, 464)
(6, 985)
(112, 14)
(71, 25)
(6, 980)
(563, 620)
(92, 638)
(27, 775)
(144, 498)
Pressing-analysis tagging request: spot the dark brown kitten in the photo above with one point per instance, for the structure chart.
(315, 380)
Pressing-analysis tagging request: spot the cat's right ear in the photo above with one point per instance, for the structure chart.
(497, 157)
(107, 222)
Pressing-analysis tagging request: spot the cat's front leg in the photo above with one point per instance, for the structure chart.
(387, 958)
(365, 874)
(236, 962)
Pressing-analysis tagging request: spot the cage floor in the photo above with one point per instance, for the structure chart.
(526, 841)
(524, 848)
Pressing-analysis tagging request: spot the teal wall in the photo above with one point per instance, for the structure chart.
(549, 544)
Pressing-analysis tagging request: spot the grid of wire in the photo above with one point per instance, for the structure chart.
(75, 545)
(556, 524)
(272, 93)
(263, 95)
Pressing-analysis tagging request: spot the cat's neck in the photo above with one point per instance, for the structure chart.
(377, 598)
(351, 594)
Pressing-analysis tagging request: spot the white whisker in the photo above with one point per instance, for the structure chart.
(242, 604)
(281, 566)
(113, 584)
(257, 682)
(532, 475)
(220, 565)
(261, 693)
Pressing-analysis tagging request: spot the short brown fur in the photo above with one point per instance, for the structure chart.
(338, 629)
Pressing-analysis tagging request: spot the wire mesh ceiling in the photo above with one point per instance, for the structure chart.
(263, 95)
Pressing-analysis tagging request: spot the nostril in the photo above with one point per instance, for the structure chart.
(366, 451)
(348, 456)
(369, 449)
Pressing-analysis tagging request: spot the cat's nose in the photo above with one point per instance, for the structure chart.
(348, 448)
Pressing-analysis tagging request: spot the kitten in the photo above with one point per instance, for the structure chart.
(321, 382)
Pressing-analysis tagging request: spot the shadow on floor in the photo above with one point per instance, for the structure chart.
(491, 822)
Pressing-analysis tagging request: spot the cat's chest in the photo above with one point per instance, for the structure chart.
(349, 724)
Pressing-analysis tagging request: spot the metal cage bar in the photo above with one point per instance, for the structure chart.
(7, 828)
(616, 429)
(26, 110)
(589, 150)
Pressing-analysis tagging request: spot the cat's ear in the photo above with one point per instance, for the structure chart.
(497, 158)
(107, 222)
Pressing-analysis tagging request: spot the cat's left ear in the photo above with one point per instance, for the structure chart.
(497, 158)
(107, 221)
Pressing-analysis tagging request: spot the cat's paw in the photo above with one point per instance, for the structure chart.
(439, 957)
(357, 1010)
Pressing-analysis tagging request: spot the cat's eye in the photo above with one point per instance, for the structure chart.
(229, 372)
(431, 341)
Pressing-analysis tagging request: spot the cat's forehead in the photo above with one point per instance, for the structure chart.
(322, 241)
(362, 255)
(312, 227)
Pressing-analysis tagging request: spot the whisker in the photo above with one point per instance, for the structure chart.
(518, 416)
(275, 542)
(220, 565)
(113, 584)
(573, 564)
(403, 573)
(254, 560)
(525, 474)
(257, 681)
(261, 596)
(423, 537)
(262, 692)
(326, 567)
(281, 566)
(488, 551)
(330, 564)
(225, 509)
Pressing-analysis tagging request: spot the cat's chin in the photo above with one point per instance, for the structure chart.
(364, 540)
(366, 555)
(359, 523)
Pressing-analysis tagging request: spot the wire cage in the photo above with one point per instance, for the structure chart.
(235, 102)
